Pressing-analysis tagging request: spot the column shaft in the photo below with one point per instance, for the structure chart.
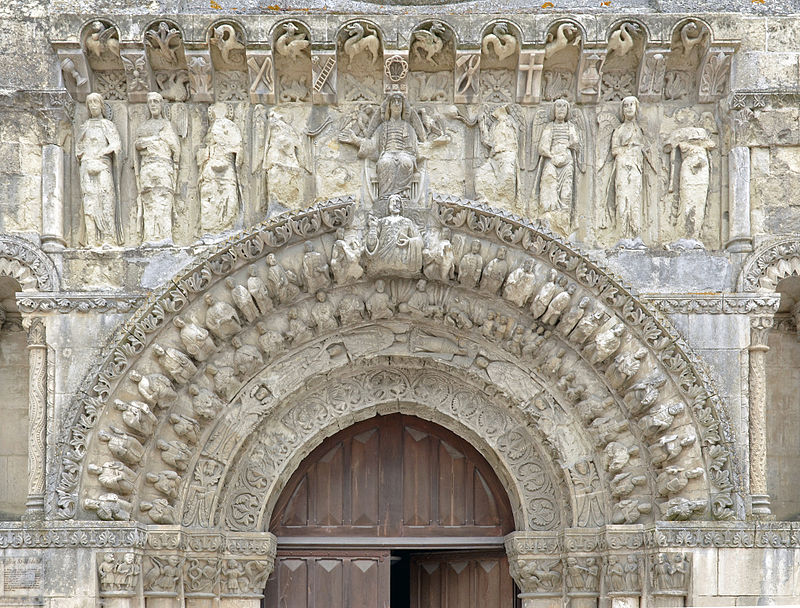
(37, 417)
(759, 333)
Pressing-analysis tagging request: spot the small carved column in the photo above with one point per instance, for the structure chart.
(759, 333)
(740, 238)
(53, 198)
(37, 416)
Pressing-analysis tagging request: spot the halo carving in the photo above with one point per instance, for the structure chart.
(593, 411)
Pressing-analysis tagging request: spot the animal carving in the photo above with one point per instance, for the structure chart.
(291, 43)
(566, 35)
(362, 38)
(691, 34)
(102, 41)
(429, 42)
(502, 43)
(165, 42)
(226, 40)
(621, 40)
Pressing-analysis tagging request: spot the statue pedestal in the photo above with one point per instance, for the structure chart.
(625, 602)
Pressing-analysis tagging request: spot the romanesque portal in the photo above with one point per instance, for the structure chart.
(400, 308)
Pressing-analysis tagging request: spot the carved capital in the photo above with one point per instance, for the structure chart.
(36, 332)
(759, 332)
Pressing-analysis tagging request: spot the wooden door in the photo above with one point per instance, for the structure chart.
(329, 579)
(393, 476)
(461, 580)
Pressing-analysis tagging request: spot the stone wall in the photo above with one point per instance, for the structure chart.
(783, 417)
(14, 428)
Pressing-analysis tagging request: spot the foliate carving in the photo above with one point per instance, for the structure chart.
(164, 45)
(714, 74)
(137, 76)
(769, 264)
(200, 76)
(118, 573)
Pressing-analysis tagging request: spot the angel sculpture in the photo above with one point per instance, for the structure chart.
(393, 136)
(561, 152)
(627, 187)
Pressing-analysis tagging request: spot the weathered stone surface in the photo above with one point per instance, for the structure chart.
(172, 374)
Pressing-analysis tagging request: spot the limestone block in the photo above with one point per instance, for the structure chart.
(761, 70)
(782, 34)
(704, 572)
(756, 571)
(719, 331)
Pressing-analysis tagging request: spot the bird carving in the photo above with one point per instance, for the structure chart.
(361, 38)
(501, 42)
(291, 43)
(561, 40)
(691, 34)
(227, 42)
(429, 42)
(165, 41)
(102, 40)
(621, 40)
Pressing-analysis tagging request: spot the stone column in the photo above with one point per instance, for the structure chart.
(759, 333)
(739, 236)
(37, 417)
(53, 198)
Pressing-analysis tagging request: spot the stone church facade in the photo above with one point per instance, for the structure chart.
(291, 297)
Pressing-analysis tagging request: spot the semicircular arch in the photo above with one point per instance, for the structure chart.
(650, 431)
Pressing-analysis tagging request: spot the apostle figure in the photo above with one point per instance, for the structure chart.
(158, 152)
(98, 148)
(218, 163)
(695, 145)
(559, 152)
(393, 244)
(626, 210)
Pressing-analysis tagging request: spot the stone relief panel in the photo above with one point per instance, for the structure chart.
(647, 176)
(614, 397)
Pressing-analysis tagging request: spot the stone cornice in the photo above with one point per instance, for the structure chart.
(713, 303)
(70, 301)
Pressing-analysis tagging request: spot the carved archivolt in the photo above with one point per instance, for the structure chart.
(769, 264)
(27, 264)
(590, 407)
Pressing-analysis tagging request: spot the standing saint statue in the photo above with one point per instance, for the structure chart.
(393, 243)
(560, 153)
(694, 145)
(391, 138)
(158, 152)
(219, 162)
(626, 194)
(98, 148)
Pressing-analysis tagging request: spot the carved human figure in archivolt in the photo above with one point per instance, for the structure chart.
(158, 153)
(393, 243)
(219, 161)
(633, 171)
(98, 148)
(560, 159)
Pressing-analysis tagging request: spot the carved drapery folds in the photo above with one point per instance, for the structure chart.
(502, 153)
(564, 366)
